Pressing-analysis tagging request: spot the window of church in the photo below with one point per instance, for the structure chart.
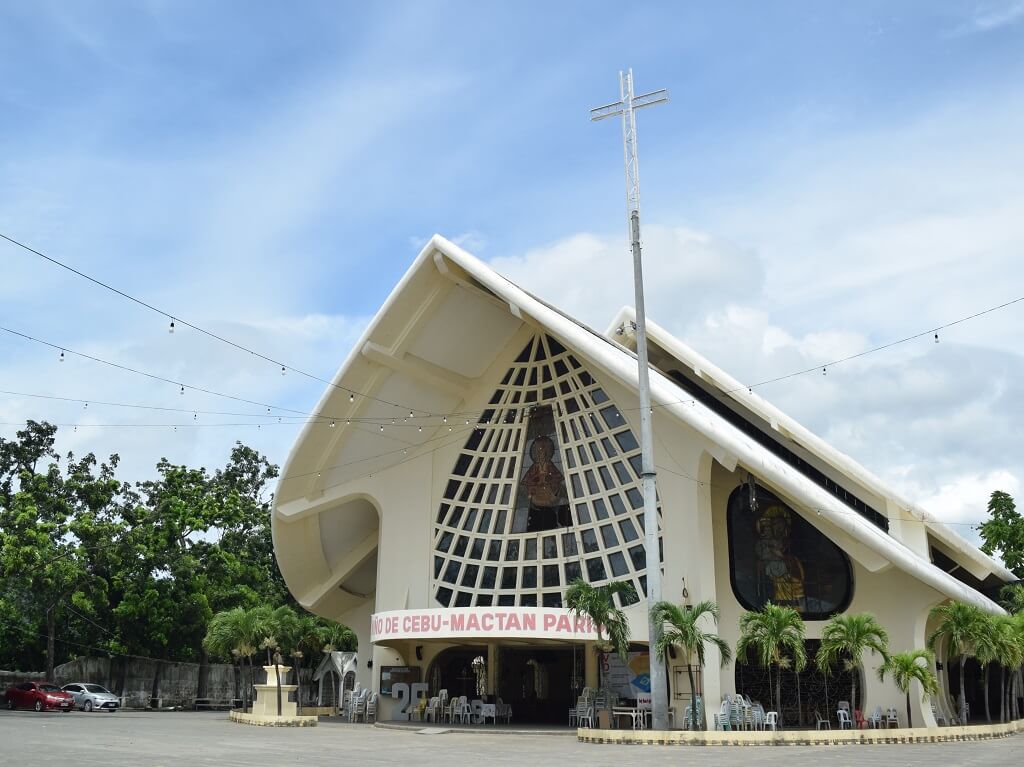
(546, 475)
(776, 555)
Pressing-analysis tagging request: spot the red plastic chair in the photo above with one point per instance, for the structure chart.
(858, 719)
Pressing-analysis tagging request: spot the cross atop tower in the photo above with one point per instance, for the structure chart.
(626, 106)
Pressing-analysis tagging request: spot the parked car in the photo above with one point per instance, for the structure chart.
(42, 696)
(89, 697)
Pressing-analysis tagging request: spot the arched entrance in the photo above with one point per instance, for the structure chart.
(452, 670)
(802, 693)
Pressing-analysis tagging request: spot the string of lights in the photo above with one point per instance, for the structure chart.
(934, 332)
(464, 414)
(451, 437)
(176, 320)
(291, 417)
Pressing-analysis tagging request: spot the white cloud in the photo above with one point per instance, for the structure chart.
(992, 16)
(686, 273)
(849, 244)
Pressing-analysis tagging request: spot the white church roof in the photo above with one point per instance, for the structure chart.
(442, 327)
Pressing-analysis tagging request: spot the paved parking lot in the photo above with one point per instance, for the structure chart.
(143, 739)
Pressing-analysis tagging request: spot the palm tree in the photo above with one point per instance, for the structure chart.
(851, 636)
(235, 633)
(905, 667)
(282, 627)
(773, 633)
(1012, 598)
(987, 649)
(1009, 655)
(680, 627)
(598, 604)
(959, 626)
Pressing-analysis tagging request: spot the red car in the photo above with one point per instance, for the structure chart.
(42, 696)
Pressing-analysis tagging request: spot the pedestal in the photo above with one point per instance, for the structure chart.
(266, 695)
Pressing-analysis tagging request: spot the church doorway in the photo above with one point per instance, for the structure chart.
(540, 683)
(452, 670)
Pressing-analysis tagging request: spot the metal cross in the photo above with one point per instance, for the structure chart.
(626, 107)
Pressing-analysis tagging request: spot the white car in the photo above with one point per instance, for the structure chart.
(89, 697)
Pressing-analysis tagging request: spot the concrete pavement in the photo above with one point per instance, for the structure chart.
(146, 739)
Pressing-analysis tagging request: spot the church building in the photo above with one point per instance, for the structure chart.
(478, 450)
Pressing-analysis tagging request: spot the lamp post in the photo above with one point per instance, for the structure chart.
(626, 107)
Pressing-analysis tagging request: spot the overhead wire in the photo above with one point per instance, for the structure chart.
(177, 318)
(173, 317)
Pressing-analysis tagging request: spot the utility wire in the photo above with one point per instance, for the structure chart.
(176, 318)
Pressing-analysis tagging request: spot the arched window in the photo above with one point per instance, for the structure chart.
(545, 490)
(777, 556)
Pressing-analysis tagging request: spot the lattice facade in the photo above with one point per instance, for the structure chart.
(544, 491)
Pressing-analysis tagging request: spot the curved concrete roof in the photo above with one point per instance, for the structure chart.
(438, 331)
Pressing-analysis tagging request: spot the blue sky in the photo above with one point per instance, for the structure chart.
(826, 177)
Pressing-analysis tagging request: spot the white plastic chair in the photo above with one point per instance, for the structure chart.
(891, 718)
(358, 706)
(432, 713)
(875, 720)
(502, 711)
(585, 716)
(771, 719)
(462, 710)
(820, 720)
(370, 714)
(843, 715)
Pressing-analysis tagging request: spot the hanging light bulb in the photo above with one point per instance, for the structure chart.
(171, 328)
(282, 370)
(348, 421)
(85, 406)
(351, 397)
(382, 428)
(182, 389)
(392, 421)
(76, 428)
(411, 415)
(195, 416)
(449, 428)
(421, 428)
(332, 423)
(61, 355)
(467, 422)
(445, 419)
(824, 372)
(318, 475)
(279, 419)
(404, 451)
(936, 338)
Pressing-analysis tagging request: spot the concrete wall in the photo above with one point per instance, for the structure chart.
(178, 681)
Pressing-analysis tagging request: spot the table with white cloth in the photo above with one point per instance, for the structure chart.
(481, 712)
(638, 716)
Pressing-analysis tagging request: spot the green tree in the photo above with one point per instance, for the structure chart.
(237, 633)
(1008, 652)
(598, 604)
(44, 565)
(850, 636)
(1011, 597)
(680, 627)
(1003, 533)
(773, 634)
(960, 625)
(905, 667)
